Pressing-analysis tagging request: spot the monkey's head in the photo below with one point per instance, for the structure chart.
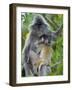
(39, 20)
(39, 26)
(47, 40)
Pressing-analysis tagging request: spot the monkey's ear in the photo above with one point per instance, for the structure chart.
(59, 31)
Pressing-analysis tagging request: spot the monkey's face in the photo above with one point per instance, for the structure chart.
(39, 26)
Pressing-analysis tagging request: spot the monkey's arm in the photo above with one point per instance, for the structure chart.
(26, 49)
(25, 58)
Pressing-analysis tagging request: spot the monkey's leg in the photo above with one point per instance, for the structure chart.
(44, 70)
(25, 67)
(27, 70)
(28, 67)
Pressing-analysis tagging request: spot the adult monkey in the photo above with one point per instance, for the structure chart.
(38, 28)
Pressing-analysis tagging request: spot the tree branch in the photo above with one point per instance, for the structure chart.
(50, 22)
(55, 65)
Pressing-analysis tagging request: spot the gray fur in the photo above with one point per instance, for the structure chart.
(30, 55)
(37, 28)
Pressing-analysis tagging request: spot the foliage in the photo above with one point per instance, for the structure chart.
(54, 21)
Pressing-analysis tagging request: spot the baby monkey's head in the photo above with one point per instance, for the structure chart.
(47, 40)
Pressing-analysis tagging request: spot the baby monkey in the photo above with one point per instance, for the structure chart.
(44, 62)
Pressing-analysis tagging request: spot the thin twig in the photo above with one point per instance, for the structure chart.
(57, 63)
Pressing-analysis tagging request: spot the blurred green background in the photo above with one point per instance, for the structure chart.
(54, 21)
